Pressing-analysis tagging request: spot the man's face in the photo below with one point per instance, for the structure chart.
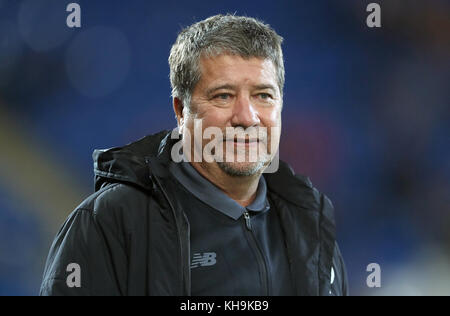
(235, 94)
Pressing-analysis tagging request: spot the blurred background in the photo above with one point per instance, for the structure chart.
(366, 117)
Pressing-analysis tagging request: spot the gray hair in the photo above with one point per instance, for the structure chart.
(221, 34)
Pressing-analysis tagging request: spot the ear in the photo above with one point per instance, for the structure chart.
(178, 109)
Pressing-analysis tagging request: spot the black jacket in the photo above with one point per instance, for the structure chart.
(131, 237)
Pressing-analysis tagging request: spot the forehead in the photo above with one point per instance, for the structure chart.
(234, 68)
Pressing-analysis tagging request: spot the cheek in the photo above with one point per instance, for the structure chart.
(272, 120)
(272, 117)
(215, 118)
(197, 123)
(203, 114)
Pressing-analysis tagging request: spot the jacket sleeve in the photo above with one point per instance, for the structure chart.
(82, 258)
(340, 285)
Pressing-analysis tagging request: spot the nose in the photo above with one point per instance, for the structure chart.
(244, 113)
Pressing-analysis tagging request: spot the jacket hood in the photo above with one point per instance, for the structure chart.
(129, 163)
(133, 164)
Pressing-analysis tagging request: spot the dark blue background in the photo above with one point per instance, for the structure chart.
(366, 117)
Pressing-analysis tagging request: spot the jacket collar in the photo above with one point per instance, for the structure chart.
(129, 164)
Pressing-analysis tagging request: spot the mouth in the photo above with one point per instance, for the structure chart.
(243, 141)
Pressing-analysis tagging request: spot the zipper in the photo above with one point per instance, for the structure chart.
(284, 228)
(157, 182)
(247, 221)
(259, 254)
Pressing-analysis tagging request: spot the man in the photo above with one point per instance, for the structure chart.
(213, 224)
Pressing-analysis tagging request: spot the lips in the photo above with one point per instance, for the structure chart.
(241, 140)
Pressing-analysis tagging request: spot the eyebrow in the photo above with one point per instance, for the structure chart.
(264, 87)
(224, 86)
(233, 87)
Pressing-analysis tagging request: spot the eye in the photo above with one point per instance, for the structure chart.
(222, 96)
(265, 96)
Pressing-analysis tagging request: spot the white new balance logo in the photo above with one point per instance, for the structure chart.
(203, 259)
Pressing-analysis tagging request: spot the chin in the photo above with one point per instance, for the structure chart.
(242, 169)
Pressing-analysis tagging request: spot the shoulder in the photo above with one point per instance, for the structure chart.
(115, 203)
(111, 196)
(298, 189)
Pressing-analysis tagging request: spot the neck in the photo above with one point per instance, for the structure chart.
(241, 189)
